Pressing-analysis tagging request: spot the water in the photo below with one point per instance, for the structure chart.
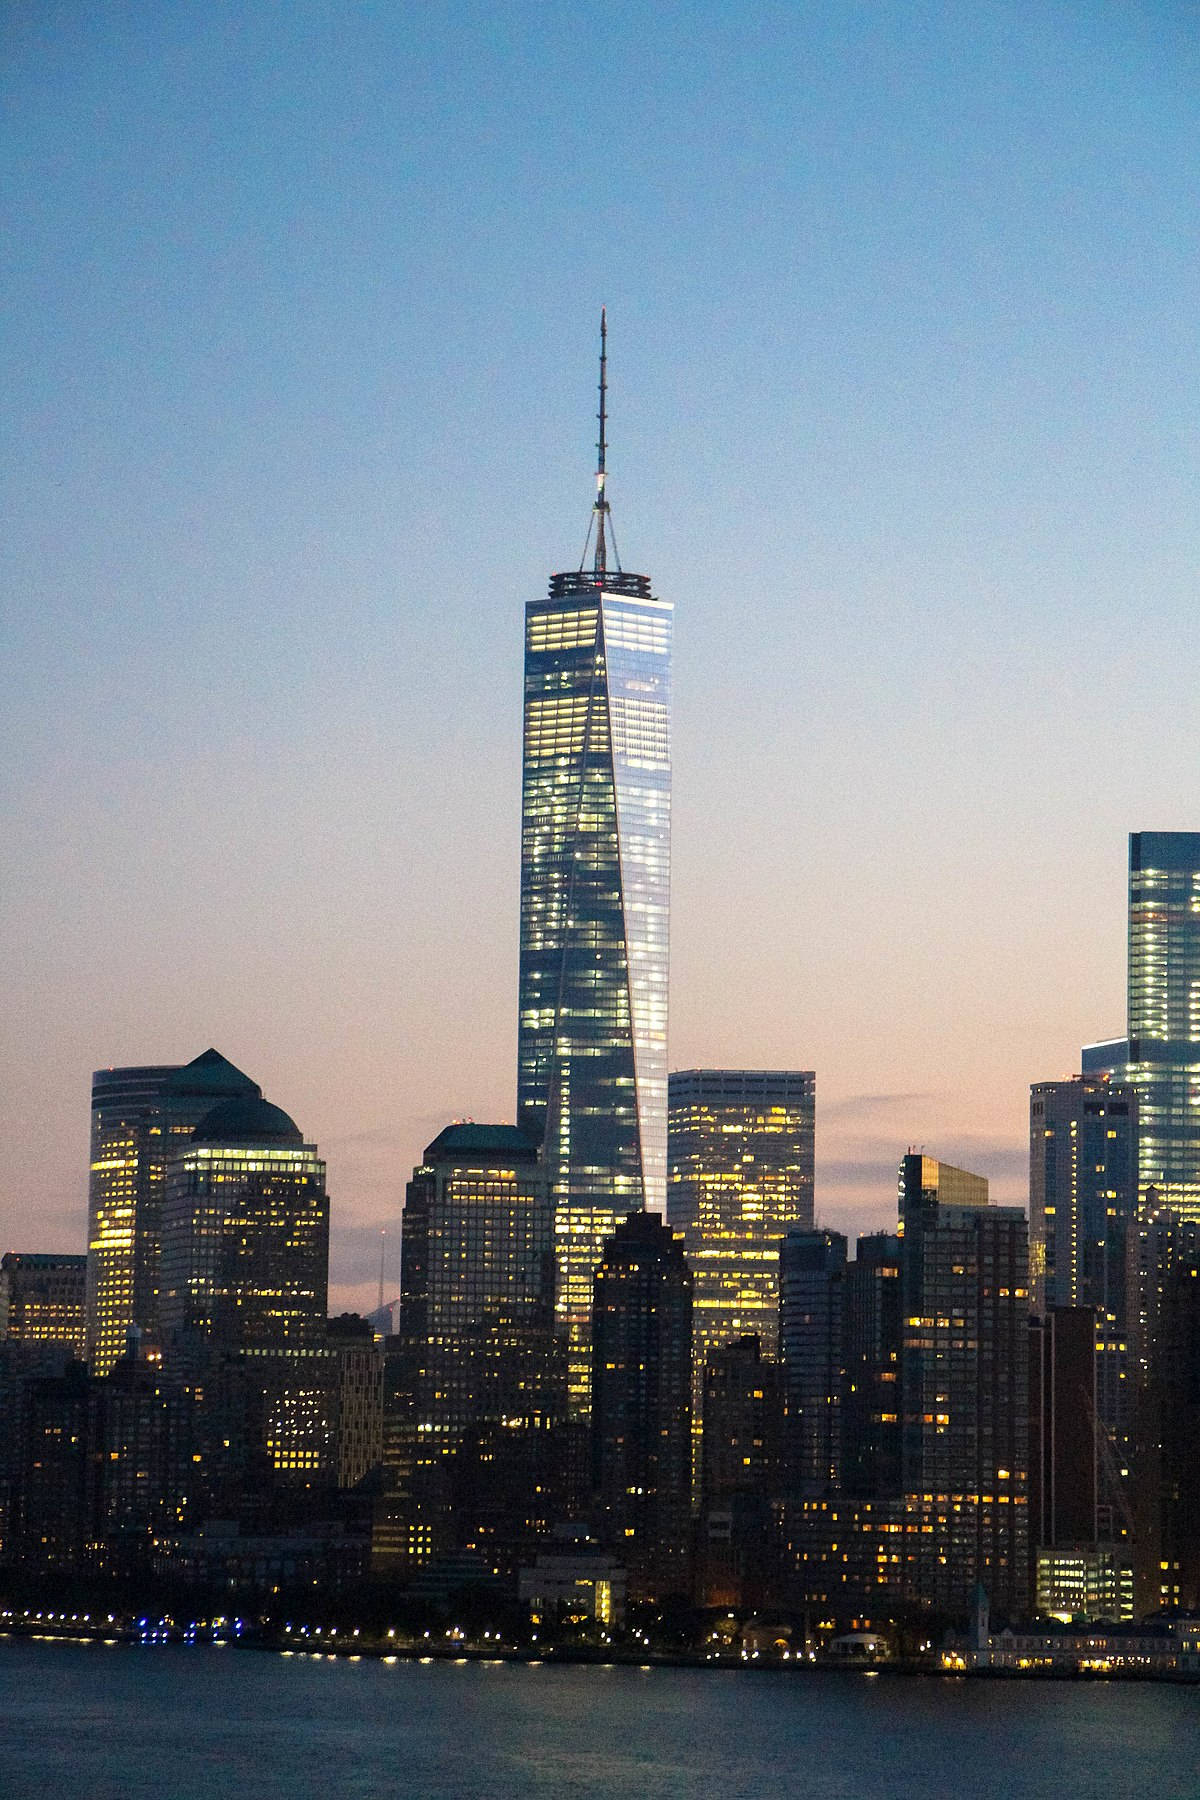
(119, 1723)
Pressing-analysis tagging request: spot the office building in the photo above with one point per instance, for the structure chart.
(245, 1233)
(140, 1116)
(1160, 1055)
(642, 1404)
(1165, 1268)
(595, 873)
(42, 1300)
(964, 1270)
(740, 1177)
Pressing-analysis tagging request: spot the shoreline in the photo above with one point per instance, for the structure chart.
(377, 1650)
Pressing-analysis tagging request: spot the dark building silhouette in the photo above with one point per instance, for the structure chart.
(741, 1464)
(872, 1333)
(1165, 1264)
(1063, 1472)
(812, 1277)
(642, 1401)
(140, 1117)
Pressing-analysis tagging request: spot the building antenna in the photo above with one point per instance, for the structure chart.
(382, 1253)
(601, 519)
(601, 500)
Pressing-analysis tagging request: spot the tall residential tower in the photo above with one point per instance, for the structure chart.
(595, 882)
(1160, 1057)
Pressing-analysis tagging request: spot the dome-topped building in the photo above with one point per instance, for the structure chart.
(245, 1243)
(247, 1120)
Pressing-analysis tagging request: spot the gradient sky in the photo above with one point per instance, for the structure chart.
(299, 324)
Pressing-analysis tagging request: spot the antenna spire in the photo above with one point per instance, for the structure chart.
(601, 508)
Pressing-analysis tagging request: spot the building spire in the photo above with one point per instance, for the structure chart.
(601, 508)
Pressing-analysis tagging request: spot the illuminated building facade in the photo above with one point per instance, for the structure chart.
(140, 1116)
(964, 1269)
(740, 1177)
(245, 1232)
(42, 1300)
(642, 1403)
(595, 886)
(1160, 1056)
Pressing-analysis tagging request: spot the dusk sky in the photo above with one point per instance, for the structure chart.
(300, 311)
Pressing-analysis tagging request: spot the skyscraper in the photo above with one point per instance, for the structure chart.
(476, 1384)
(812, 1299)
(595, 882)
(140, 1116)
(244, 1259)
(1160, 1057)
(964, 1270)
(1083, 1150)
(740, 1162)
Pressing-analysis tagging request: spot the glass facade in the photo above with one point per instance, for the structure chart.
(595, 890)
(1164, 1013)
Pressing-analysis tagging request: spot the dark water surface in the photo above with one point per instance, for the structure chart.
(123, 1723)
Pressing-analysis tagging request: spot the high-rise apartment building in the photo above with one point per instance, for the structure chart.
(740, 1177)
(140, 1116)
(1160, 1056)
(965, 1389)
(812, 1278)
(42, 1300)
(871, 1341)
(595, 884)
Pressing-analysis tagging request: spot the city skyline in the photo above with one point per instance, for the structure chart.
(928, 546)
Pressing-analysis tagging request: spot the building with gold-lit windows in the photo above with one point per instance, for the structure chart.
(964, 1271)
(740, 1177)
(140, 1116)
(245, 1232)
(42, 1300)
(245, 1283)
(595, 871)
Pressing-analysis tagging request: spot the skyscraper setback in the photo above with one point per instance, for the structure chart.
(595, 883)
